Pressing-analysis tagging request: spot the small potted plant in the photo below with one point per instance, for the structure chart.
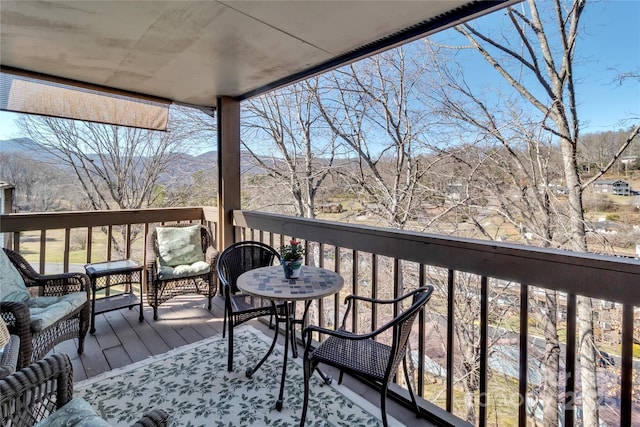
(292, 258)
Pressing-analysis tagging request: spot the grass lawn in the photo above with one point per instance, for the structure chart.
(54, 247)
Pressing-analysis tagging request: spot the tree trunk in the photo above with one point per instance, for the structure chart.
(586, 343)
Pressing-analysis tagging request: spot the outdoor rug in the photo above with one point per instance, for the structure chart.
(192, 384)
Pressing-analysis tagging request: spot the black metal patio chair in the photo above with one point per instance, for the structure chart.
(239, 307)
(359, 354)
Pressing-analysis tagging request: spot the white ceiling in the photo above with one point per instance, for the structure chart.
(194, 51)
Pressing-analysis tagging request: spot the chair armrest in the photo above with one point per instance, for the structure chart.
(348, 298)
(339, 333)
(18, 319)
(46, 383)
(211, 257)
(9, 358)
(66, 283)
(342, 333)
(154, 418)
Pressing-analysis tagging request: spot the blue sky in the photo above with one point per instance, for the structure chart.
(610, 45)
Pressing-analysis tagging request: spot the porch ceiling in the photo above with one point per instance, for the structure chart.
(194, 51)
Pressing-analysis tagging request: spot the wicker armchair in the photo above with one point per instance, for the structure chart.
(239, 307)
(359, 354)
(37, 391)
(34, 345)
(160, 290)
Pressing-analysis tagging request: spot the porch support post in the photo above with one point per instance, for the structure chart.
(228, 168)
(7, 208)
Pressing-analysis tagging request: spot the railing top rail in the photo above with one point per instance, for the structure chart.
(599, 276)
(18, 222)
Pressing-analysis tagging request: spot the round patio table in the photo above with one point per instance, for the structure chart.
(270, 283)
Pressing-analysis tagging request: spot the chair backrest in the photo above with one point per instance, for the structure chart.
(241, 257)
(206, 239)
(402, 325)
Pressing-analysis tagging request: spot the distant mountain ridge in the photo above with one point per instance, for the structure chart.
(28, 148)
(20, 145)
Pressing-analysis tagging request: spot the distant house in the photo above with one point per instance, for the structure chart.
(603, 227)
(617, 187)
(453, 191)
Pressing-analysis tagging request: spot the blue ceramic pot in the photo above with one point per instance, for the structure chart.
(292, 268)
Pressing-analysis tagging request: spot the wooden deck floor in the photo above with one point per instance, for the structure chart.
(121, 339)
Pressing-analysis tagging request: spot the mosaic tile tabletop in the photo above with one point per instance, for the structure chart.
(269, 282)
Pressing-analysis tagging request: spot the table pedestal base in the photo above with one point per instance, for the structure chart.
(290, 335)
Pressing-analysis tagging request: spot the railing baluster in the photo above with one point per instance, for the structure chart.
(450, 336)
(626, 370)
(421, 336)
(397, 284)
(89, 243)
(67, 245)
(307, 247)
(336, 297)
(570, 374)
(321, 320)
(374, 291)
(43, 250)
(109, 242)
(484, 331)
(524, 354)
(354, 287)
(321, 255)
(143, 285)
(128, 242)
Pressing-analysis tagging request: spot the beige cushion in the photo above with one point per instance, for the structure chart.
(166, 272)
(45, 311)
(12, 287)
(179, 245)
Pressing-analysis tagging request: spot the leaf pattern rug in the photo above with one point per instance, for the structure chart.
(192, 384)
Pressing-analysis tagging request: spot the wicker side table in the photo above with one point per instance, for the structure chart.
(9, 358)
(103, 276)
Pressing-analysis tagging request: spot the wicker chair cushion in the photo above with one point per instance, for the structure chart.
(77, 413)
(12, 287)
(179, 245)
(166, 272)
(45, 311)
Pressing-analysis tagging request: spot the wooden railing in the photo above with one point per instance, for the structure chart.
(59, 229)
(409, 259)
(386, 263)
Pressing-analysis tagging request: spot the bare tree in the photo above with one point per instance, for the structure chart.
(115, 167)
(33, 180)
(288, 140)
(371, 106)
(599, 151)
(537, 60)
